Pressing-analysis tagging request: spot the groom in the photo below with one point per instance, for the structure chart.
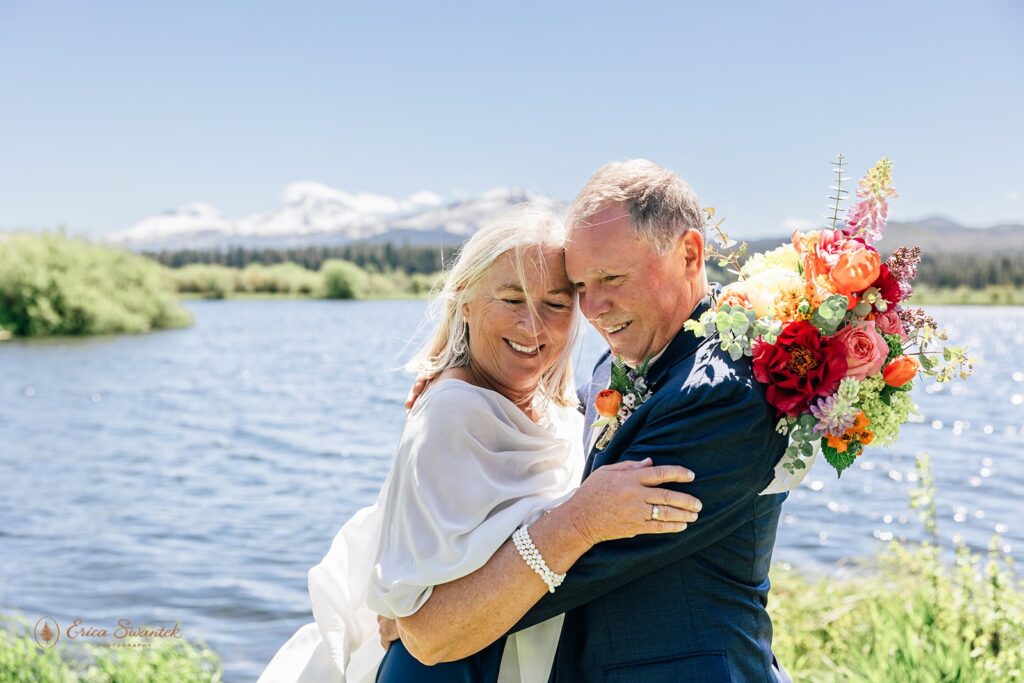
(668, 607)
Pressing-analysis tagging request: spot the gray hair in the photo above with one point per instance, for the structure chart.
(532, 225)
(661, 205)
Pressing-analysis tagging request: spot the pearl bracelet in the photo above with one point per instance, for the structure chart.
(530, 554)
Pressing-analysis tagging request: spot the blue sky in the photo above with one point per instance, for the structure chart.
(113, 111)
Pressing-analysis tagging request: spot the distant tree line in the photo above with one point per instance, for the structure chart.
(382, 258)
(937, 269)
(972, 270)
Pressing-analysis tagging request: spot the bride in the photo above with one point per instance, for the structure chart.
(487, 472)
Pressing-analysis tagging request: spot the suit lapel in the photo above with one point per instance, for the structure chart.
(600, 380)
(682, 345)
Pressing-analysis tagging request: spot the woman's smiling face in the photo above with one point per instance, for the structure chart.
(517, 334)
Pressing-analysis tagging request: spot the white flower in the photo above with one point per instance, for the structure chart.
(764, 289)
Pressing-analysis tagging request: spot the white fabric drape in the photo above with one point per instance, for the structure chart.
(470, 468)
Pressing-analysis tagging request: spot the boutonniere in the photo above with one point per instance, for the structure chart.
(626, 392)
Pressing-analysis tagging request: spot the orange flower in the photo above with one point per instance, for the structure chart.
(608, 402)
(900, 371)
(866, 437)
(837, 263)
(860, 425)
(839, 443)
(856, 268)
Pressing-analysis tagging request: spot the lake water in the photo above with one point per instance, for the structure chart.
(194, 476)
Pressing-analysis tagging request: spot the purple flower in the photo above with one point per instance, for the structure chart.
(831, 418)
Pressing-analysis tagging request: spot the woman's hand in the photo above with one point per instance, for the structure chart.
(623, 499)
(388, 629)
(418, 387)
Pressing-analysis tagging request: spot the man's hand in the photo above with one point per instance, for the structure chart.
(418, 387)
(388, 629)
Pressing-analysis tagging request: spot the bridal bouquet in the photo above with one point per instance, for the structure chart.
(825, 322)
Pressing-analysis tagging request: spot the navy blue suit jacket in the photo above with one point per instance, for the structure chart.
(687, 606)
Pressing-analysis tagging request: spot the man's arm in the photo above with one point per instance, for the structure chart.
(728, 440)
(465, 615)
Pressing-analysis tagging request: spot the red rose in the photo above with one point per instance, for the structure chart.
(888, 286)
(799, 367)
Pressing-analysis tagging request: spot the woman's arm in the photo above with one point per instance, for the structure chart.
(464, 616)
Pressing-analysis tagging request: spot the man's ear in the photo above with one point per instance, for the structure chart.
(691, 248)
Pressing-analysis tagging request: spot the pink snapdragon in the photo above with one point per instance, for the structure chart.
(866, 218)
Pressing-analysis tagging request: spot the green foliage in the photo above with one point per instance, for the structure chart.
(23, 661)
(619, 380)
(167, 660)
(53, 285)
(909, 616)
(737, 329)
(839, 459)
(343, 280)
(802, 440)
(895, 345)
(830, 314)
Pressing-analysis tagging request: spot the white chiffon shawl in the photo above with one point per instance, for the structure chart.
(470, 468)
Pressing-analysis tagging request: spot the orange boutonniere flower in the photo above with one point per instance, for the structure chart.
(608, 403)
(614, 405)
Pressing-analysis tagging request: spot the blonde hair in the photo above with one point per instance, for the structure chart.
(532, 225)
(661, 205)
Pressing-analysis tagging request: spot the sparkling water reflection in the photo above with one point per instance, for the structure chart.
(196, 475)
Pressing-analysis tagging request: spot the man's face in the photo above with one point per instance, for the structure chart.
(637, 299)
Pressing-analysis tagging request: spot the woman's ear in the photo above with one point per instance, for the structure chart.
(465, 312)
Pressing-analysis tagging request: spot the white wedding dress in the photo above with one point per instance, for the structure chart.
(470, 468)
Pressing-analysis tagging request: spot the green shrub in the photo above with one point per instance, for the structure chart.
(343, 280)
(280, 278)
(209, 281)
(53, 285)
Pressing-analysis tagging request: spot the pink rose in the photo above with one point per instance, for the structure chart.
(889, 323)
(866, 350)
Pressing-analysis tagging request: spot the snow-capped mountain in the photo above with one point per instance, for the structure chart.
(313, 214)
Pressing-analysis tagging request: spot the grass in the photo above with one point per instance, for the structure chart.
(909, 616)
